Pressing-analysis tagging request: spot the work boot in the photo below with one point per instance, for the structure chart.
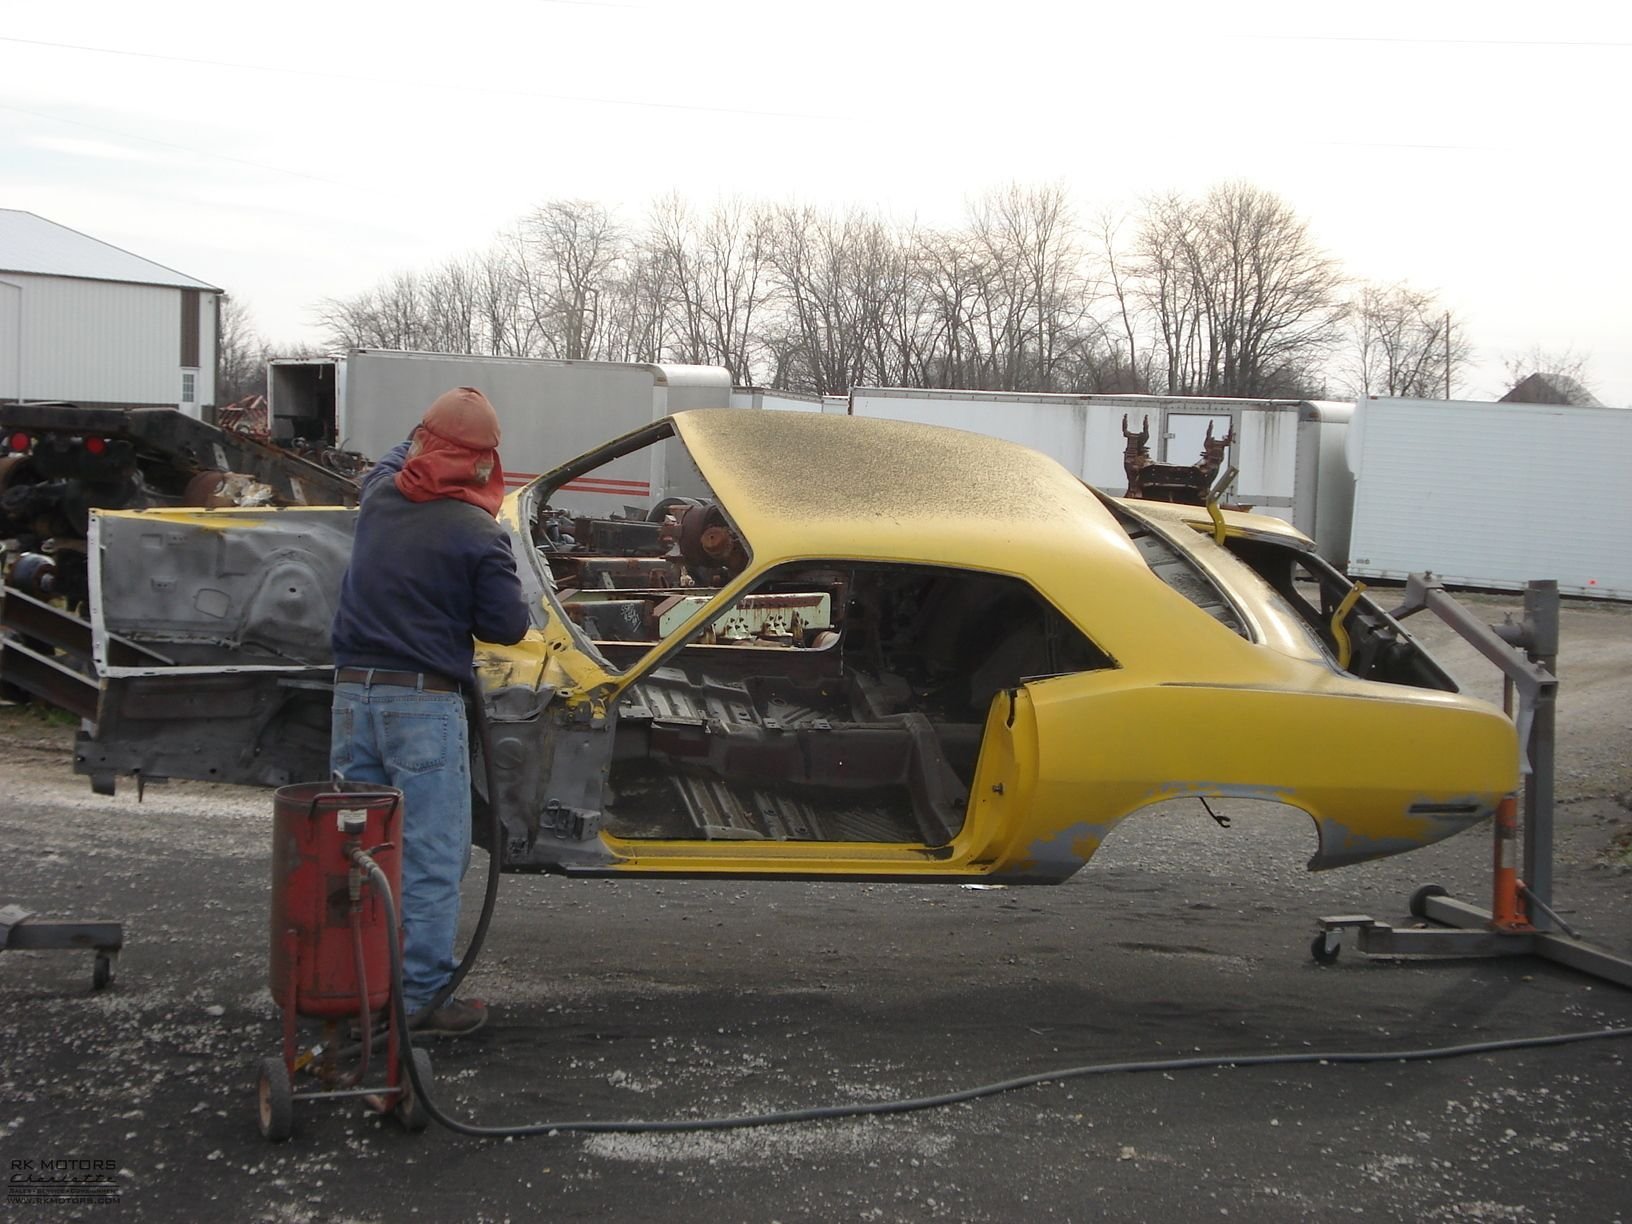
(455, 1018)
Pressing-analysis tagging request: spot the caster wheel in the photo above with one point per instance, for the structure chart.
(275, 1097)
(1419, 899)
(102, 972)
(410, 1108)
(1325, 953)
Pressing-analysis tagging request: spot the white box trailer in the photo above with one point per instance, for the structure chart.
(550, 412)
(1289, 453)
(770, 400)
(1493, 495)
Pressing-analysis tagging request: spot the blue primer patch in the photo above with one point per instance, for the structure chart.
(1340, 845)
(1059, 856)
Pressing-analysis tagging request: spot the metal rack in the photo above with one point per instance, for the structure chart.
(1521, 920)
(19, 932)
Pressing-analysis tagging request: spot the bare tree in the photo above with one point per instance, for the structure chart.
(635, 312)
(1035, 291)
(670, 249)
(820, 274)
(240, 354)
(497, 294)
(450, 301)
(1403, 343)
(1244, 302)
(716, 276)
(568, 252)
(1222, 295)
(392, 315)
(1120, 369)
(949, 275)
(736, 249)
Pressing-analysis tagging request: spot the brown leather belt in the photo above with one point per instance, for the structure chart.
(429, 681)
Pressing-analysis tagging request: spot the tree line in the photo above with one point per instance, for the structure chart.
(1225, 292)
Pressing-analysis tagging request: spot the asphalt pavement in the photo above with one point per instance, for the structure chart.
(692, 999)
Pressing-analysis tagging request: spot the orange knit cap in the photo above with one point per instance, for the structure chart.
(463, 416)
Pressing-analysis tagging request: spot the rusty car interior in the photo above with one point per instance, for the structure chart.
(835, 701)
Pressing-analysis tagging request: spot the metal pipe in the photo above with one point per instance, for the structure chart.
(1525, 892)
(1541, 613)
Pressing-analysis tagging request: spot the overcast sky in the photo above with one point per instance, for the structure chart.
(298, 151)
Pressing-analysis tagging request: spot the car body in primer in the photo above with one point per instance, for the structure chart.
(867, 649)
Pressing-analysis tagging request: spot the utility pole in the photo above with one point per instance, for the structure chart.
(1447, 354)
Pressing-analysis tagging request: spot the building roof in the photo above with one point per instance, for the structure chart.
(32, 244)
(1543, 388)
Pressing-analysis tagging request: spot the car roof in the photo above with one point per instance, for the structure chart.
(810, 485)
(816, 484)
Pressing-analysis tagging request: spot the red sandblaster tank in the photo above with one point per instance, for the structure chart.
(314, 936)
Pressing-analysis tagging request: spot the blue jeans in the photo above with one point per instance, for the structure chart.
(417, 742)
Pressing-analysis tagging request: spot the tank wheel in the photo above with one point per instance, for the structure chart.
(1419, 899)
(275, 1097)
(102, 971)
(1325, 947)
(410, 1108)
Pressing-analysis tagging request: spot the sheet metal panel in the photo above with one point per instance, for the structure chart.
(775, 401)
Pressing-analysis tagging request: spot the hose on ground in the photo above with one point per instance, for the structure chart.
(912, 1104)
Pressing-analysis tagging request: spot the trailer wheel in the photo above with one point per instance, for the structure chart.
(1419, 899)
(275, 1097)
(410, 1108)
(1324, 952)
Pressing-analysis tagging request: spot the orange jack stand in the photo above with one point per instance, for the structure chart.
(1506, 910)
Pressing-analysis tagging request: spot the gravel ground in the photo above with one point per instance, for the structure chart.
(674, 999)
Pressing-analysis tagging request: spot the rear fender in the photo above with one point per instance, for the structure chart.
(1378, 774)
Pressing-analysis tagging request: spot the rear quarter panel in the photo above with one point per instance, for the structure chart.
(1380, 771)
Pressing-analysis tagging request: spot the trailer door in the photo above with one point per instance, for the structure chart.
(1185, 431)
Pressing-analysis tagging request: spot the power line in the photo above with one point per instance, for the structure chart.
(416, 84)
(1436, 42)
(170, 144)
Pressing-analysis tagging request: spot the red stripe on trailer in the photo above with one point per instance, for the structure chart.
(589, 484)
(586, 484)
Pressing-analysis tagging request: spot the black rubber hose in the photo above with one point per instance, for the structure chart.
(911, 1104)
(495, 851)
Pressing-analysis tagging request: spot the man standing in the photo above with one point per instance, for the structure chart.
(430, 569)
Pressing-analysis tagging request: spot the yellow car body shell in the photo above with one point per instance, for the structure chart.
(1190, 708)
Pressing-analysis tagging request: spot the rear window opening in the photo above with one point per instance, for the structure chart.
(1378, 648)
(834, 702)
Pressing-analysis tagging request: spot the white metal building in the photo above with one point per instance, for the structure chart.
(92, 324)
